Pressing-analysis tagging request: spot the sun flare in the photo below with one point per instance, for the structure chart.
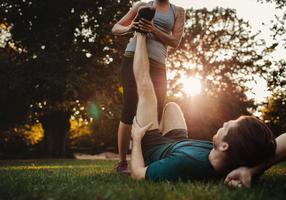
(191, 86)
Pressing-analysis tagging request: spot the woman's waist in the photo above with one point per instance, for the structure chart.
(151, 39)
(153, 46)
(153, 61)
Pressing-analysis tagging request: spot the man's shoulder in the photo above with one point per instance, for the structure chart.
(192, 150)
(194, 143)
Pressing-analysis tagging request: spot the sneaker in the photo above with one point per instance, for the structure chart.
(147, 13)
(122, 167)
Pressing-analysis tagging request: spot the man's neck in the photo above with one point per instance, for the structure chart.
(217, 162)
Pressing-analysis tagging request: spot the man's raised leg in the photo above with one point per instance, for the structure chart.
(146, 108)
(147, 102)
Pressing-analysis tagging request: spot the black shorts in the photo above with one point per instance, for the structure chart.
(154, 137)
(130, 97)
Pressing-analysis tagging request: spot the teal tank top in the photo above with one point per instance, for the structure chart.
(156, 49)
(184, 160)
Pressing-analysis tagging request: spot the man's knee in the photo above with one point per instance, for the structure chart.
(172, 107)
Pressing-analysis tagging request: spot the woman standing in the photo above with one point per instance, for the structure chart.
(166, 29)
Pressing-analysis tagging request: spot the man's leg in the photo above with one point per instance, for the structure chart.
(173, 118)
(147, 102)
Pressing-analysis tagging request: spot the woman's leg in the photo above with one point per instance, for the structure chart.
(128, 111)
(124, 134)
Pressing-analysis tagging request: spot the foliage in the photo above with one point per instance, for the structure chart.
(274, 113)
(219, 49)
(62, 60)
(280, 3)
(19, 139)
(95, 179)
(58, 58)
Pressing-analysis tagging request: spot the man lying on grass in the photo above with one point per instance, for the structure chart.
(162, 151)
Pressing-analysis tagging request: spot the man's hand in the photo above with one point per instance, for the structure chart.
(240, 177)
(146, 26)
(137, 131)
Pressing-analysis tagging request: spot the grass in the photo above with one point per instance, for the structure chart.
(86, 179)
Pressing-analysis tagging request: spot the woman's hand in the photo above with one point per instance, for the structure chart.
(147, 26)
(138, 132)
(240, 177)
(134, 25)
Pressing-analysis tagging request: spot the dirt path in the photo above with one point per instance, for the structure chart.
(101, 156)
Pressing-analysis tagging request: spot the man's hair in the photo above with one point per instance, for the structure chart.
(250, 142)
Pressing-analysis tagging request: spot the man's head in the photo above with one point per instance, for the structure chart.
(245, 141)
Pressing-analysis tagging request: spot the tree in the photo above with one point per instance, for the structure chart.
(274, 111)
(219, 49)
(68, 54)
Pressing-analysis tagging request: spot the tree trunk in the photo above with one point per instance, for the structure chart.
(56, 127)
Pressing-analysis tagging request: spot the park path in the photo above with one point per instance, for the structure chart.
(101, 156)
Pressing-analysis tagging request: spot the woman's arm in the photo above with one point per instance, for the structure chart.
(242, 176)
(172, 40)
(125, 24)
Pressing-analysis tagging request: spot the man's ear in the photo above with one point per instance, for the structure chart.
(223, 146)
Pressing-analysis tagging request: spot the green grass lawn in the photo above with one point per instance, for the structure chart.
(86, 179)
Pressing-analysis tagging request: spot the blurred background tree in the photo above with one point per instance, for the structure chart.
(59, 74)
(218, 50)
(59, 52)
(274, 110)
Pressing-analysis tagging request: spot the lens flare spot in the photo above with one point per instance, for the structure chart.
(93, 111)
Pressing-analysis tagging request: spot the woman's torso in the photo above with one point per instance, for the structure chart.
(156, 49)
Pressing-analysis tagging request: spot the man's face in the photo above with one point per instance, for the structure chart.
(221, 133)
(219, 155)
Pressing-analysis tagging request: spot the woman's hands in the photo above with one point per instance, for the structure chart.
(138, 132)
(240, 177)
(146, 26)
(134, 25)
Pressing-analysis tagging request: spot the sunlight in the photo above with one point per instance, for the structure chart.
(191, 86)
(258, 89)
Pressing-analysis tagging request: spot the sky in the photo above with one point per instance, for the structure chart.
(252, 11)
(255, 13)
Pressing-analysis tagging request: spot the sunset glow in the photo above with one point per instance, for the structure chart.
(191, 86)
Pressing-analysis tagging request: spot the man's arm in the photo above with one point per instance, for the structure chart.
(242, 176)
(173, 39)
(138, 169)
